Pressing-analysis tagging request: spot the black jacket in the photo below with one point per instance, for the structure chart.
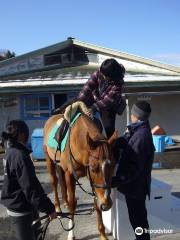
(21, 189)
(135, 165)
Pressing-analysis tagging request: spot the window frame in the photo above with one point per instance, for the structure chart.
(31, 96)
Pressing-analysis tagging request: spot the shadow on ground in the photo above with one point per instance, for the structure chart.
(41, 169)
(6, 231)
(92, 236)
(176, 194)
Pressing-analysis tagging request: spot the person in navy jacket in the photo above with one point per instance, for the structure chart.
(133, 177)
(22, 193)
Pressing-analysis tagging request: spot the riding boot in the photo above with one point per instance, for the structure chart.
(61, 131)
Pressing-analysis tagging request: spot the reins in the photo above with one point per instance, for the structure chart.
(60, 216)
(71, 158)
(45, 225)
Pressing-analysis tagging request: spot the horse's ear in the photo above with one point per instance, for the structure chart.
(112, 139)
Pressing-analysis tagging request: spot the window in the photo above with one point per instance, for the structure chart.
(59, 99)
(36, 107)
(52, 59)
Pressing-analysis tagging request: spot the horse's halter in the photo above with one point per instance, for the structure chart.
(92, 184)
(104, 166)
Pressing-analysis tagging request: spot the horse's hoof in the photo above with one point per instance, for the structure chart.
(65, 205)
(103, 238)
(71, 238)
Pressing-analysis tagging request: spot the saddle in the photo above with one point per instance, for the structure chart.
(61, 131)
(69, 113)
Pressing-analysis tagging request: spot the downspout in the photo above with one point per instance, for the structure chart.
(127, 111)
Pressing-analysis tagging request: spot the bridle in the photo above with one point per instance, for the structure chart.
(97, 185)
(88, 171)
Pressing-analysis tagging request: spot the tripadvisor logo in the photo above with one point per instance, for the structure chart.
(138, 231)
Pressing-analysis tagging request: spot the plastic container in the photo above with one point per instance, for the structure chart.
(37, 144)
(169, 141)
(159, 142)
(157, 130)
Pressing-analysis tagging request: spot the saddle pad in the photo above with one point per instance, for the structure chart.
(52, 143)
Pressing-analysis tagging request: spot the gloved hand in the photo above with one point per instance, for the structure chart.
(114, 182)
(118, 181)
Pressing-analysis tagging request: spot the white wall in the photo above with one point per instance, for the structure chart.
(8, 113)
(165, 112)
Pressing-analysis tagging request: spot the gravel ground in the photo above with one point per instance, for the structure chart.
(86, 228)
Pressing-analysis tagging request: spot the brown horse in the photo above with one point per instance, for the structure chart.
(87, 154)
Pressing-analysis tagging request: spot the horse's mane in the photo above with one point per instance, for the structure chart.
(72, 109)
(93, 131)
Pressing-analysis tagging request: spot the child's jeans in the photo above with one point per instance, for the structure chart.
(22, 226)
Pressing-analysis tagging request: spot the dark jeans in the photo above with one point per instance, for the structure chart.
(22, 227)
(108, 119)
(138, 216)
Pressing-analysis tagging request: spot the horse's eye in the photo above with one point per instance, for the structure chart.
(95, 169)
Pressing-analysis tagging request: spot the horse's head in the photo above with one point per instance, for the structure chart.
(100, 169)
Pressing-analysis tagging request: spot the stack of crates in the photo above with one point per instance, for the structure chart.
(159, 142)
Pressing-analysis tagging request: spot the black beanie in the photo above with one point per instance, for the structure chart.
(141, 110)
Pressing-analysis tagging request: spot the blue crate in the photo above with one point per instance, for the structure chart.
(159, 142)
(37, 140)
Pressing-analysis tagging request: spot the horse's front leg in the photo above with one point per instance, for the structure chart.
(101, 227)
(62, 183)
(70, 183)
(54, 180)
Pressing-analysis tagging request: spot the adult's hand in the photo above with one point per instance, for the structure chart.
(89, 113)
(53, 216)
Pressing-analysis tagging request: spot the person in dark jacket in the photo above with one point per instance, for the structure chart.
(22, 193)
(102, 93)
(133, 177)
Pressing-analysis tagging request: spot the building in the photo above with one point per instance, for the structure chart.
(32, 84)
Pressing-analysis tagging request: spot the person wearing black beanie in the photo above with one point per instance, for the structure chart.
(133, 177)
(141, 110)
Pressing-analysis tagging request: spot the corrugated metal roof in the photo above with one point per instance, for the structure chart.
(127, 56)
(96, 48)
(76, 80)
